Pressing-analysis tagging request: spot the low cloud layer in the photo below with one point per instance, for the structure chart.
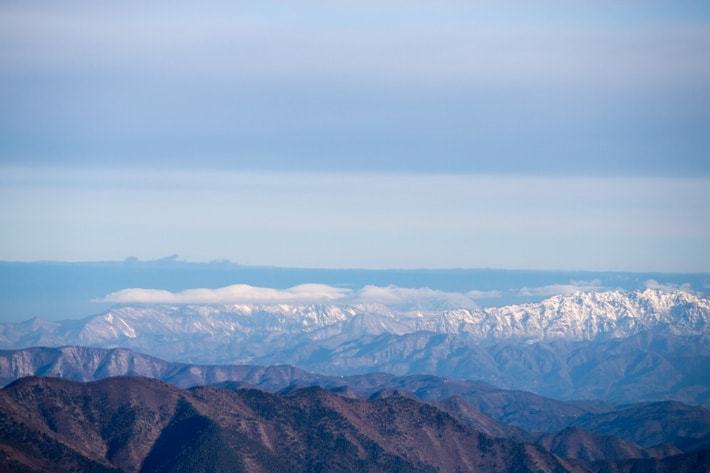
(394, 296)
(234, 294)
(419, 298)
(562, 289)
(402, 298)
(667, 286)
(476, 294)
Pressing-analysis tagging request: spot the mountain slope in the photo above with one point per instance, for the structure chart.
(494, 411)
(137, 424)
(520, 408)
(574, 442)
(650, 424)
(694, 462)
(646, 366)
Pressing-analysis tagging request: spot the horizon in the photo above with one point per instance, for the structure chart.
(359, 135)
(69, 290)
(372, 221)
(175, 259)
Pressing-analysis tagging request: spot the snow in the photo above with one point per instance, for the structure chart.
(578, 316)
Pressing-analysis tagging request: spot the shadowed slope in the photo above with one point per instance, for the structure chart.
(137, 424)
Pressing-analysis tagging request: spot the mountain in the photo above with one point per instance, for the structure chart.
(458, 407)
(649, 424)
(137, 424)
(581, 444)
(512, 407)
(578, 316)
(493, 411)
(694, 462)
(589, 431)
(617, 346)
(519, 408)
(89, 364)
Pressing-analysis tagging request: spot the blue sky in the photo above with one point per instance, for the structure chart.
(358, 134)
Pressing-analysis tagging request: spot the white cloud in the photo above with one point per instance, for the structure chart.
(413, 298)
(476, 294)
(400, 297)
(562, 289)
(667, 287)
(234, 294)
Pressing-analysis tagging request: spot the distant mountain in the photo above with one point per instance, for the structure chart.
(618, 346)
(458, 407)
(694, 462)
(650, 424)
(138, 424)
(578, 316)
(644, 367)
(90, 364)
(574, 442)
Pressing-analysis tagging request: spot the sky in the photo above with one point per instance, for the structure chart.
(69, 290)
(370, 134)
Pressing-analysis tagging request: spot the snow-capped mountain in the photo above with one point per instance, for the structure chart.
(593, 315)
(615, 345)
(578, 316)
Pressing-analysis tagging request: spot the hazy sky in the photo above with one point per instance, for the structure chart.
(367, 133)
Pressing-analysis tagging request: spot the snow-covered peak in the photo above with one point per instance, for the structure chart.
(260, 327)
(576, 316)
(589, 315)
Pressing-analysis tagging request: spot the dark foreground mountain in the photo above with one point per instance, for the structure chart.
(139, 424)
(496, 412)
(135, 424)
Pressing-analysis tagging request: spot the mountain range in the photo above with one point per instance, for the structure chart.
(518, 408)
(136, 424)
(618, 346)
(668, 427)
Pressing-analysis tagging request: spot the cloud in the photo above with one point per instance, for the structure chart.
(393, 296)
(401, 298)
(234, 294)
(476, 294)
(562, 289)
(413, 298)
(667, 286)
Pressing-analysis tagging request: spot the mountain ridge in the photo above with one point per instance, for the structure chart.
(488, 409)
(157, 427)
(91, 364)
(577, 316)
(137, 424)
(622, 346)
